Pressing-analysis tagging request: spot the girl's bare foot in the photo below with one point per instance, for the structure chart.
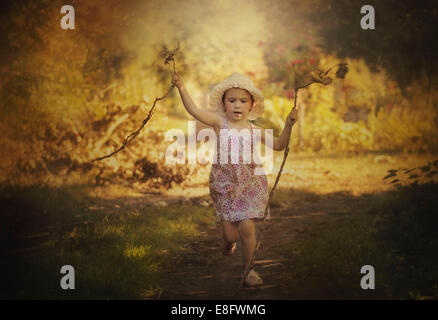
(253, 279)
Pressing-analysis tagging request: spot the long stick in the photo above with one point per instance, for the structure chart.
(131, 137)
(286, 153)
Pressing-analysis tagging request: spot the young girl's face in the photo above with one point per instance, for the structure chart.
(237, 103)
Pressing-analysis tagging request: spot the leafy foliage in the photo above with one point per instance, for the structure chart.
(63, 154)
(363, 112)
(402, 43)
(59, 87)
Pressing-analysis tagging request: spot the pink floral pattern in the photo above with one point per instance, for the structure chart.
(237, 192)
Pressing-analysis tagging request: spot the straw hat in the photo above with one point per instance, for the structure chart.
(237, 80)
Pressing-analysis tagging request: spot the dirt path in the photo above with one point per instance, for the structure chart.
(324, 192)
(205, 273)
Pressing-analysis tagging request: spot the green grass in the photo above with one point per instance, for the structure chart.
(121, 256)
(117, 256)
(326, 263)
(395, 233)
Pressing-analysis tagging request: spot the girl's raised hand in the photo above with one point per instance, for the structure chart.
(177, 80)
(292, 117)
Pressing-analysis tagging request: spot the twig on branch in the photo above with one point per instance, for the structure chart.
(132, 136)
(168, 55)
(108, 133)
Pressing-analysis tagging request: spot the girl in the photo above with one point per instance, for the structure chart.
(239, 195)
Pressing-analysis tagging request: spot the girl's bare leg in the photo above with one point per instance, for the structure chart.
(248, 236)
(230, 232)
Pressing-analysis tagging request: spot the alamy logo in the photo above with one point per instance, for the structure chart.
(367, 21)
(367, 281)
(68, 281)
(68, 21)
(176, 152)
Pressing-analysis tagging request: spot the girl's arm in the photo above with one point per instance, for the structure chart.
(279, 143)
(208, 117)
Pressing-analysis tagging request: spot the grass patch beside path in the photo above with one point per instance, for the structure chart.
(115, 256)
(395, 233)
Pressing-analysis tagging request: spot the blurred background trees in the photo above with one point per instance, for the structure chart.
(62, 90)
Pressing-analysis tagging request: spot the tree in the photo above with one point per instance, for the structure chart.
(403, 42)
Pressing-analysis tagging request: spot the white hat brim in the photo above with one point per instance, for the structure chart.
(237, 80)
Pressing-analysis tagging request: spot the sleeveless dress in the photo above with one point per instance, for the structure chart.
(237, 192)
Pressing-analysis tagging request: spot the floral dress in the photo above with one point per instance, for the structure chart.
(237, 192)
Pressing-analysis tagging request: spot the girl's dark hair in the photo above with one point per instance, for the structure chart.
(223, 96)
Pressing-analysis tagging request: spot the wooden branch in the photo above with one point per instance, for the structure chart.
(108, 133)
(130, 152)
(286, 152)
(132, 136)
(315, 78)
(168, 55)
